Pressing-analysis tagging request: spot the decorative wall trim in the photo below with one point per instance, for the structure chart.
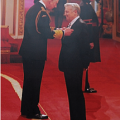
(21, 18)
(4, 12)
(118, 18)
(14, 16)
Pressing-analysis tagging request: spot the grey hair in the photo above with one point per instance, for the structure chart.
(74, 6)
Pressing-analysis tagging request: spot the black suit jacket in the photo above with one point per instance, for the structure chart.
(34, 44)
(74, 51)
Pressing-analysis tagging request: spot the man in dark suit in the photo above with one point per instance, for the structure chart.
(89, 16)
(73, 59)
(59, 11)
(33, 51)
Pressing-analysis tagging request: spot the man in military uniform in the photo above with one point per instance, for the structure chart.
(34, 51)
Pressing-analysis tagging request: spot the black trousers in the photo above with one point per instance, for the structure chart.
(33, 70)
(87, 85)
(73, 80)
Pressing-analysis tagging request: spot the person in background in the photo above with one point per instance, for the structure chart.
(74, 57)
(34, 54)
(59, 11)
(89, 16)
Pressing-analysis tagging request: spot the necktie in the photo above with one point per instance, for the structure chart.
(69, 26)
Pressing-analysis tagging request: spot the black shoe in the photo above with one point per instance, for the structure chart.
(37, 116)
(23, 114)
(90, 90)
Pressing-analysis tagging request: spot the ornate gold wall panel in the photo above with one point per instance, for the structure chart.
(14, 16)
(21, 18)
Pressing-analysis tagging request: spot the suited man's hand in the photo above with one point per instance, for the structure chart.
(91, 45)
(68, 32)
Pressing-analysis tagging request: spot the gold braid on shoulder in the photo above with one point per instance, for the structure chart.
(38, 16)
(58, 33)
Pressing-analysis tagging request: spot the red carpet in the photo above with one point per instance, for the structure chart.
(104, 77)
(10, 103)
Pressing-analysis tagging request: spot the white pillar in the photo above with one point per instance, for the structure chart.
(13, 16)
(9, 15)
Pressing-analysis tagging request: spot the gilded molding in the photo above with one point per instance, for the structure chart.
(14, 16)
(3, 12)
(21, 18)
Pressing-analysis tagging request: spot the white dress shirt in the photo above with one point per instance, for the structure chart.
(72, 22)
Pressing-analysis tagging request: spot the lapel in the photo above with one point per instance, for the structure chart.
(76, 23)
(76, 27)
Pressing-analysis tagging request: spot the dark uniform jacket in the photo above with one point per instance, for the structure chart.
(87, 12)
(75, 48)
(36, 33)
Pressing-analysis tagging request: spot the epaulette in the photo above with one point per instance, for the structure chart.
(38, 16)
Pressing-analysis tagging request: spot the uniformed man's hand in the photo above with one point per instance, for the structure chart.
(63, 28)
(68, 32)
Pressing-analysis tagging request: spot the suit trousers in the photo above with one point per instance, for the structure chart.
(33, 70)
(73, 80)
(87, 85)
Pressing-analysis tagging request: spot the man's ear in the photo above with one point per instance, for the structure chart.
(75, 11)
